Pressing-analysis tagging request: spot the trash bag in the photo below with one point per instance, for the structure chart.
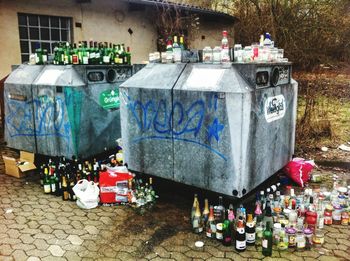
(87, 193)
(298, 169)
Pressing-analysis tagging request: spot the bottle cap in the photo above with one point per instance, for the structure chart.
(277, 226)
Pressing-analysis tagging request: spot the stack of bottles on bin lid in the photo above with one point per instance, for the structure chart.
(285, 220)
(263, 52)
(59, 176)
(95, 54)
(219, 54)
(176, 52)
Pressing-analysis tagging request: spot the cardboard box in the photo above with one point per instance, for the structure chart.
(18, 167)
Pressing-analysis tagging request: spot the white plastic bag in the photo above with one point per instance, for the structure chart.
(87, 193)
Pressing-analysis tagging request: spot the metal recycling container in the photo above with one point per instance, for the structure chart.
(224, 128)
(72, 110)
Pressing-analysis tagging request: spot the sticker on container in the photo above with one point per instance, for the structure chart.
(275, 108)
(110, 99)
(203, 78)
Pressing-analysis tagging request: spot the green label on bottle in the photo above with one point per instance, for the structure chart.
(110, 99)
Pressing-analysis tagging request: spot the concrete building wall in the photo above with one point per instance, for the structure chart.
(102, 20)
(107, 20)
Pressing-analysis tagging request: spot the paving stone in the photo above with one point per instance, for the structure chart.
(75, 240)
(5, 249)
(341, 253)
(13, 233)
(41, 244)
(19, 255)
(27, 239)
(24, 247)
(33, 258)
(345, 242)
(51, 258)
(70, 255)
(234, 256)
(337, 235)
(31, 231)
(37, 253)
(91, 230)
(214, 251)
(328, 258)
(180, 256)
(59, 242)
(46, 229)
(197, 254)
(60, 234)
(56, 250)
(43, 236)
(91, 245)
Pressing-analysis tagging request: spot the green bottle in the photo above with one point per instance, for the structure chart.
(128, 55)
(38, 54)
(267, 241)
(46, 182)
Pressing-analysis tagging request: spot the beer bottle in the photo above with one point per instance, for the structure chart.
(267, 241)
(194, 206)
(197, 223)
(250, 230)
(46, 182)
(211, 226)
(241, 243)
(205, 212)
(65, 193)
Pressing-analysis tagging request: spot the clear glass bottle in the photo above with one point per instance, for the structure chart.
(238, 53)
(207, 55)
(217, 55)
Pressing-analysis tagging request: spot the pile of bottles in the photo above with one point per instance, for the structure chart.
(95, 53)
(264, 51)
(59, 176)
(141, 194)
(286, 220)
(219, 54)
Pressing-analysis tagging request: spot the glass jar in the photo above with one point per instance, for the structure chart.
(283, 240)
(311, 219)
(308, 233)
(300, 241)
(247, 54)
(345, 218)
(291, 237)
(318, 237)
(238, 53)
(274, 54)
(336, 215)
(293, 216)
(217, 55)
(207, 55)
(328, 215)
(342, 201)
(277, 227)
(255, 51)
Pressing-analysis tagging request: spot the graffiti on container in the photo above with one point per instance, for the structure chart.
(49, 118)
(195, 122)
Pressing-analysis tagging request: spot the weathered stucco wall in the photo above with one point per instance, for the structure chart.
(102, 20)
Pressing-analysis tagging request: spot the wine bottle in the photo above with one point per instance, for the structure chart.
(250, 230)
(241, 243)
(227, 233)
(197, 223)
(205, 212)
(267, 241)
(211, 226)
(194, 206)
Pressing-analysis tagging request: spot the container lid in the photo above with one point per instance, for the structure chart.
(308, 231)
(342, 189)
(277, 226)
(291, 230)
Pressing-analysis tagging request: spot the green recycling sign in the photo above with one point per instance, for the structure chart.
(109, 99)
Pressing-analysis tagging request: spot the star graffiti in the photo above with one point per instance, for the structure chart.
(214, 130)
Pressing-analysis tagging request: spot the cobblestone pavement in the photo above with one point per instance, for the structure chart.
(35, 226)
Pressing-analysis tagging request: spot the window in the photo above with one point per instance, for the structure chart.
(42, 30)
